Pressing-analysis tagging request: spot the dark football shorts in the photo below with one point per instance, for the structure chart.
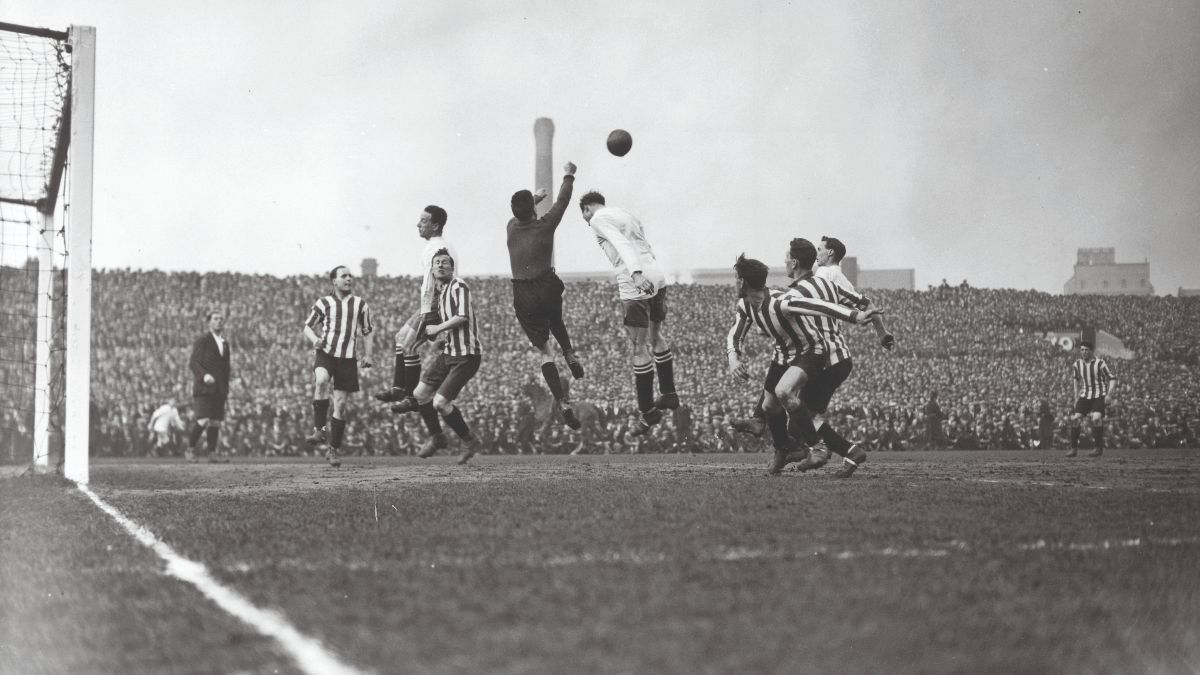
(209, 407)
(538, 303)
(639, 313)
(449, 374)
(809, 362)
(343, 372)
(821, 386)
(1087, 406)
(775, 371)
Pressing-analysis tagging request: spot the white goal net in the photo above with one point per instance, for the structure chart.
(46, 104)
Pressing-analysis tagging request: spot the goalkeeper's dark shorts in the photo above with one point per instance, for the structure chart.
(538, 303)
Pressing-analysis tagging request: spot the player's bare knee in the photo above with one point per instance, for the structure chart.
(545, 352)
(424, 393)
(442, 404)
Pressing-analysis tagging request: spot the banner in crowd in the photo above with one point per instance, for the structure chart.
(1107, 344)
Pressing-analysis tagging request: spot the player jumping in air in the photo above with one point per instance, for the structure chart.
(406, 373)
(537, 290)
(642, 287)
(455, 366)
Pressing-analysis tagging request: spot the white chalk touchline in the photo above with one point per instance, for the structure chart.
(720, 554)
(308, 653)
(1107, 544)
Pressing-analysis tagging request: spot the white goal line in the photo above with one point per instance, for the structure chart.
(308, 653)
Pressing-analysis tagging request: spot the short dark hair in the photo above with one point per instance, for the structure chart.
(437, 214)
(333, 272)
(445, 252)
(1087, 344)
(834, 244)
(803, 252)
(209, 314)
(592, 197)
(751, 271)
(522, 204)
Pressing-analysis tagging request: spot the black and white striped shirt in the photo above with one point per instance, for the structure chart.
(828, 329)
(454, 299)
(1093, 378)
(338, 321)
(793, 335)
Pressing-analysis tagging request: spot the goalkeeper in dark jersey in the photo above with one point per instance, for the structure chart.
(537, 290)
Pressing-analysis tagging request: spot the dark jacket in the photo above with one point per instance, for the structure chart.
(207, 359)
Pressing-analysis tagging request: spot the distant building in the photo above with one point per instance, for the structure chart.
(878, 279)
(586, 276)
(370, 268)
(892, 280)
(1189, 292)
(1098, 273)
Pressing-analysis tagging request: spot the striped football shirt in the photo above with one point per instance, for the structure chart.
(338, 321)
(1093, 377)
(454, 300)
(828, 329)
(793, 334)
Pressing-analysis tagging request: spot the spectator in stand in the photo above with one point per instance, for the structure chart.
(970, 344)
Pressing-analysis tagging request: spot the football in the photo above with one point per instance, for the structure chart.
(619, 142)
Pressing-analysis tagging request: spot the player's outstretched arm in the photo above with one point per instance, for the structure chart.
(805, 306)
(886, 339)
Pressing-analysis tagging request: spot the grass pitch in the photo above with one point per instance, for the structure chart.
(942, 562)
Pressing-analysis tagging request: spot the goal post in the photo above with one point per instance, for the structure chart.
(77, 429)
(47, 97)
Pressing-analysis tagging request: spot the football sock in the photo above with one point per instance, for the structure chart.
(664, 363)
(398, 370)
(758, 407)
(210, 438)
(800, 425)
(778, 424)
(833, 440)
(1098, 437)
(643, 381)
(320, 412)
(337, 429)
(559, 330)
(194, 436)
(456, 422)
(1074, 437)
(430, 415)
(550, 373)
(412, 372)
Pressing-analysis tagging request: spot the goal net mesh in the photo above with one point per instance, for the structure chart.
(35, 77)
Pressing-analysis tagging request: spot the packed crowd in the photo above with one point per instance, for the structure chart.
(1000, 383)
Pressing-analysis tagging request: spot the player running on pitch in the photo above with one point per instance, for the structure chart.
(340, 317)
(808, 418)
(789, 319)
